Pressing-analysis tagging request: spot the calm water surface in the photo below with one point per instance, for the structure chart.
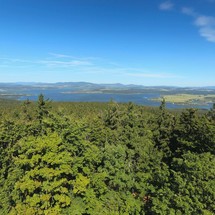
(141, 99)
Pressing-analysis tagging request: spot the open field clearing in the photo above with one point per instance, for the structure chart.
(187, 98)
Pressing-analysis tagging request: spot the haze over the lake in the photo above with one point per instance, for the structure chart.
(108, 41)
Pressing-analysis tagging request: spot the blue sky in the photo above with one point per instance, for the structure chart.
(108, 41)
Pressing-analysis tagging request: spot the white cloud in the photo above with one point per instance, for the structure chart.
(14, 60)
(206, 24)
(57, 55)
(53, 67)
(188, 11)
(167, 5)
(60, 55)
(204, 21)
(208, 33)
(58, 63)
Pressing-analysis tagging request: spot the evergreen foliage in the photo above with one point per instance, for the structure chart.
(111, 159)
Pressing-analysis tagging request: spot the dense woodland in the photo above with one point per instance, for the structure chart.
(105, 158)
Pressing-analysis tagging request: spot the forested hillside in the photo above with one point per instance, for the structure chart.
(110, 159)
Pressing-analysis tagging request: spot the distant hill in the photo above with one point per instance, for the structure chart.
(93, 85)
(87, 86)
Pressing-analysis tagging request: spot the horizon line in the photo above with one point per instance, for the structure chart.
(41, 82)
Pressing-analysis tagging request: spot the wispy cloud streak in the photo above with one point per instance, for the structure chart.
(60, 63)
(65, 56)
(167, 5)
(206, 24)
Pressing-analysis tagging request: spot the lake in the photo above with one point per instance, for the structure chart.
(141, 99)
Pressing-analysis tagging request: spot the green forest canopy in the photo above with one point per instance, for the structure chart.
(99, 158)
